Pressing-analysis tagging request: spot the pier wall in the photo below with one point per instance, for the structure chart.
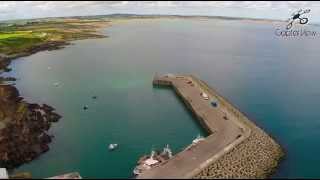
(185, 100)
(254, 155)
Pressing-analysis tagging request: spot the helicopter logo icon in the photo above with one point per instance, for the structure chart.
(297, 16)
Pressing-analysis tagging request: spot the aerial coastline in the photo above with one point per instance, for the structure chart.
(90, 29)
(23, 124)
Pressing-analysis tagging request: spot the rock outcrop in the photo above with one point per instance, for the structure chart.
(23, 128)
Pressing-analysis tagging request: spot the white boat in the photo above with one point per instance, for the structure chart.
(137, 171)
(148, 162)
(198, 139)
(57, 84)
(112, 146)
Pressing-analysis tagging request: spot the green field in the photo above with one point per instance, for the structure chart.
(17, 38)
(17, 41)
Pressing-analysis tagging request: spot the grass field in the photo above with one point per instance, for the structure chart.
(15, 39)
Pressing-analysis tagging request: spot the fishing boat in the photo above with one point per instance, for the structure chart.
(155, 159)
(167, 152)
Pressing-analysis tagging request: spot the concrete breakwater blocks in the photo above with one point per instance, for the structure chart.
(235, 147)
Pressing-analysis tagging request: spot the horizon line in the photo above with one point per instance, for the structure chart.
(136, 14)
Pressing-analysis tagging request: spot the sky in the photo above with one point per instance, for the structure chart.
(280, 10)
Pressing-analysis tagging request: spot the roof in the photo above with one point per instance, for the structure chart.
(3, 173)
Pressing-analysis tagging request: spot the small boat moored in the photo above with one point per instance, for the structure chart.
(112, 147)
(57, 84)
(85, 107)
(148, 162)
(198, 139)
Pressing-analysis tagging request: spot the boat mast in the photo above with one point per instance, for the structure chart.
(167, 150)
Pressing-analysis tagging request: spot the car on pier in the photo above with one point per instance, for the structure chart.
(214, 104)
(204, 95)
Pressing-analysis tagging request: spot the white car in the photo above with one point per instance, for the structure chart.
(204, 95)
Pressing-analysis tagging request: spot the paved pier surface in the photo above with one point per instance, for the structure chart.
(225, 133)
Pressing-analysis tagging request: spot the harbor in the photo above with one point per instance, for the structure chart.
(128, 105)
(230, 133)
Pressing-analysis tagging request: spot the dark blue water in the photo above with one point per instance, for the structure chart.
(274, 80)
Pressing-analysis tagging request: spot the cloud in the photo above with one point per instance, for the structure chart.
(255, 9)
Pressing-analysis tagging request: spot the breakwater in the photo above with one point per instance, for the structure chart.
(235, 148)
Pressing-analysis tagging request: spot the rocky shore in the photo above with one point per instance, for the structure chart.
(256, 157)
(23, 128)
(4, 63)
(5, 60)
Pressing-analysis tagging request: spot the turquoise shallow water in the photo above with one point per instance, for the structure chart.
(272, 79)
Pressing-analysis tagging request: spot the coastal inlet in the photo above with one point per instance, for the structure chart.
(24, 126)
